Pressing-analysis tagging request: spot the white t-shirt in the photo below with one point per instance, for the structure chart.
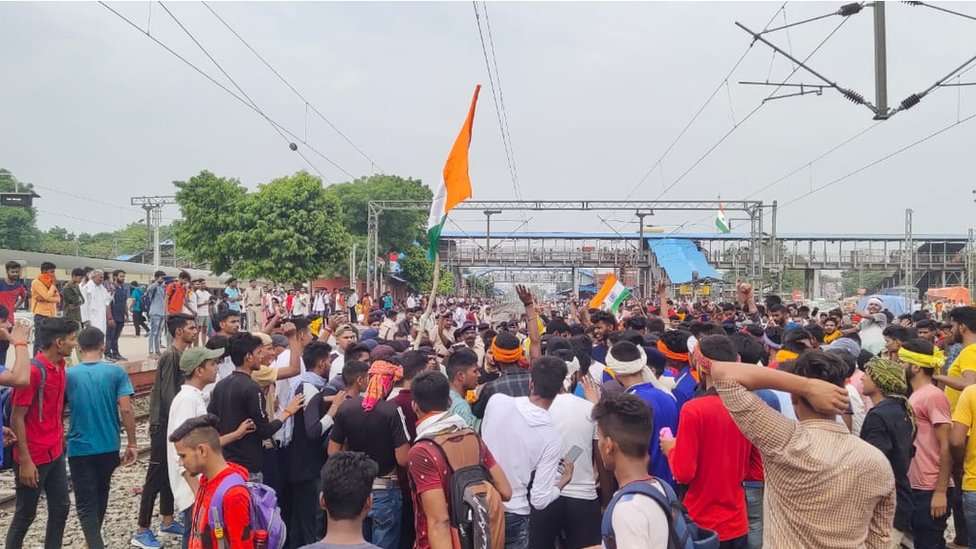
(188, 403)
(522, 438)
(284, 392)
(571, 417)
(202, 300)
(639, 521)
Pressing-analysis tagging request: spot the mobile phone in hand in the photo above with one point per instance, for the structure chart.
(574, 453)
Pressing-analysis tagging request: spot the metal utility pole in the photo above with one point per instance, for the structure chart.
(154, 216)
(970, 263)
(488, 214)
(880, 62)
(908, 259)
(642, 268)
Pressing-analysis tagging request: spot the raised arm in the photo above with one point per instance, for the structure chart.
(531, 322)
(17, 375)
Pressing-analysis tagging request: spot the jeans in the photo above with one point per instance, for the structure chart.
(53, 480)
(516, 531)
(155, 327)
(754, 509)
(112, 337)
(157, 480)
(92, 478)
(927, 532)
(382, 525)
(959, 517)
(969, 510)
(4, 345)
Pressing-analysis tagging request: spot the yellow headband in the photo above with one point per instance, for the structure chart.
(922, 360)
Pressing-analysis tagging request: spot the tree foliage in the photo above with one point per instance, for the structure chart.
(18, 229)
(289, 230)
(418, 271)
(870, 280)
(398, 229)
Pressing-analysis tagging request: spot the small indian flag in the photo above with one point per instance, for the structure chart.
(611, 296)
(456, 186)
(721, 223)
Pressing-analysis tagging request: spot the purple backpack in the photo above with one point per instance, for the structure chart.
(265, 514)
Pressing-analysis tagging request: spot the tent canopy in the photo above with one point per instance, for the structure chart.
(959, 294)
(680, 258)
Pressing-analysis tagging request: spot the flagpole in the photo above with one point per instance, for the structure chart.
(430, 302)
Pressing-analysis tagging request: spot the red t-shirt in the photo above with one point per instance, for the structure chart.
(9, 294)
(236, 511)
(712, 457)
(45, 434)
(429, 471)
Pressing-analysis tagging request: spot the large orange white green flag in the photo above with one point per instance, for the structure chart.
(611, 296)
(456, 186)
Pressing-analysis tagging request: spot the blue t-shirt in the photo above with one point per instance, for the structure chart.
(93, 391)
(769, 398)
(684, 387)
(137, 299)
(235, 294)
(665, 411)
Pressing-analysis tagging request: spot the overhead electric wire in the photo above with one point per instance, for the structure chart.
(85, 198)
(501, 93)
(498, 111)
(701, 109)
(940, 8)
(236, 85)
(732, 130)
(880, 160)
(226, 89)
(299, 94)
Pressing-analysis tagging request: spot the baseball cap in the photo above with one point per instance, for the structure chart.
(195, 356)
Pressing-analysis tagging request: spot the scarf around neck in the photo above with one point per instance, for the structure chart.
(440, 423)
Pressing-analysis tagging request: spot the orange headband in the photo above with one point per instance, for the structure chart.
(677, 357)
(507, 356)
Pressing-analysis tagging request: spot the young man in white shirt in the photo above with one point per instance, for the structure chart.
(575, 516)
(199, 367)
(624, 425)
(201, 301)
(519, 432)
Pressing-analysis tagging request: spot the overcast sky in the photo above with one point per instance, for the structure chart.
(595, 92)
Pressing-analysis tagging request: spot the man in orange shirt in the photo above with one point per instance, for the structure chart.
(44, 296)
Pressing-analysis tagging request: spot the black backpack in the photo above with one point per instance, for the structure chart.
(475, 506)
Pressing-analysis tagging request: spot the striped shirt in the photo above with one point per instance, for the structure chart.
(824, 486)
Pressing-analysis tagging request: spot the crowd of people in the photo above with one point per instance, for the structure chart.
(372, 424)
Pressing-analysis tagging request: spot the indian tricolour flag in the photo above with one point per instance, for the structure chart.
(456, 186)
(721, 222)
(611, 296)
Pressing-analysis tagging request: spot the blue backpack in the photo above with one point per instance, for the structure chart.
(682, 532)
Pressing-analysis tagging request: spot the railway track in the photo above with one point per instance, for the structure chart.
(142, 383)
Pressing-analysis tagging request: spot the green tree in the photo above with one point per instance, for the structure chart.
(398, 229)
(18, 226)
(418, 271)
(870, 280)
(287, 231)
